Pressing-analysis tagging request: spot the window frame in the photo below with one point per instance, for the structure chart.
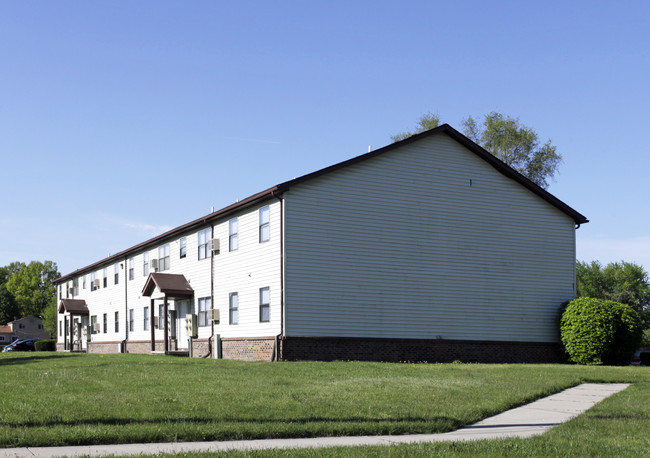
(145, 319)
(265, 306)
(116, 277)
(117, 321)
(182, 247)
(233, 308)
(131, 269)
(105, 324)
(145, 264)
(163, 257)
(203, 316)
(131, 320)
(203, 237)
(105, 276)
(233, 234)
(265, 224)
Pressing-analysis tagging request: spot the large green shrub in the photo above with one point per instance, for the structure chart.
(598, 331)
(45, 345)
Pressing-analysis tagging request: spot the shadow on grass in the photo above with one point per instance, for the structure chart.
(30, 357)
(450, 422)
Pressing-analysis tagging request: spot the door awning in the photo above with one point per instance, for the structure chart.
(73, 306)
(171, 285)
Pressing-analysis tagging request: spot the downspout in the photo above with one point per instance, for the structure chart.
(126, 306)
(211, 338)
(277, 354)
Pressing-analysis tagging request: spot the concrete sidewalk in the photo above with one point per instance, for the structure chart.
(529, 420)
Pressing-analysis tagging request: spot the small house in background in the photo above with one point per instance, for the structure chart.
(429, 249)
(23, 328)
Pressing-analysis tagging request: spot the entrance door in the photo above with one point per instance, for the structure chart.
(182, 308)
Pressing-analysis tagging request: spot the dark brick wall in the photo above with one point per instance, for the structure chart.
(417, 350)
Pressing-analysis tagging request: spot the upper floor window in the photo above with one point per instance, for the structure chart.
(183, 247)
(145, 263)
(117, 273)
(84, 282)
(205, 304)
(94, 283)
(265, 304)
(233, 239)
(131, 269)
(105, 272)
(204, 239)
(234, 308)
(163, 257)
(265, 226)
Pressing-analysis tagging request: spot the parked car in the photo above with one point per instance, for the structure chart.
(21, 345)
(641, 357)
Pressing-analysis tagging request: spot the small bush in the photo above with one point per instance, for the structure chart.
(597, 331)
(45, 345)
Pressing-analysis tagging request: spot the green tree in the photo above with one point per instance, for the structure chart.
(31, 286)
(506, 138)
(516, 145)
(623, 282)
(426, 122)
(8, 306)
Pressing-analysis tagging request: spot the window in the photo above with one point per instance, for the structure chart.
(105, 323)
(233, 239)
(60, 328)
(265, 226)
(84, 282)
(161, 316)
(265, 305)
(145, 265)
(117, 321)
(204, 238)
(93, 282)
(234, 308)
(183, 245)
(131, 269)
(105, 272)
(131, 318)
(94, 329)
(2, 338)
(60, 291)
(163, 257)
(75, 286)
(67, 290)
(21, 326)
(205, 304)
(117, 274)
(40, 326)
(146, 318)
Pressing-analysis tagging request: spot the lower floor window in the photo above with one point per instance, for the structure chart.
(205, 304)
(234, 308)
(265, 304)
(131, 318)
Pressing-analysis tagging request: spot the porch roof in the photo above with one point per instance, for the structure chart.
(73, 306)
(172, 285)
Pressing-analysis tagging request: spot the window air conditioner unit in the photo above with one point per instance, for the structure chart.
(215, 246)
(214, 315)
(156, 322)
(95, 328)
(71, 291)
(154, 265)
(97, 283)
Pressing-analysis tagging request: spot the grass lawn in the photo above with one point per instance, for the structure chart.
(58, 399)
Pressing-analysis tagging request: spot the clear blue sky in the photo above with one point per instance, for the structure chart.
(121, 119)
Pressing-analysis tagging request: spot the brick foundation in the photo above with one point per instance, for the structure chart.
(417, 350)
(248, 349)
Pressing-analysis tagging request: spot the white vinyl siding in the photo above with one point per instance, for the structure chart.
(425, 241)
